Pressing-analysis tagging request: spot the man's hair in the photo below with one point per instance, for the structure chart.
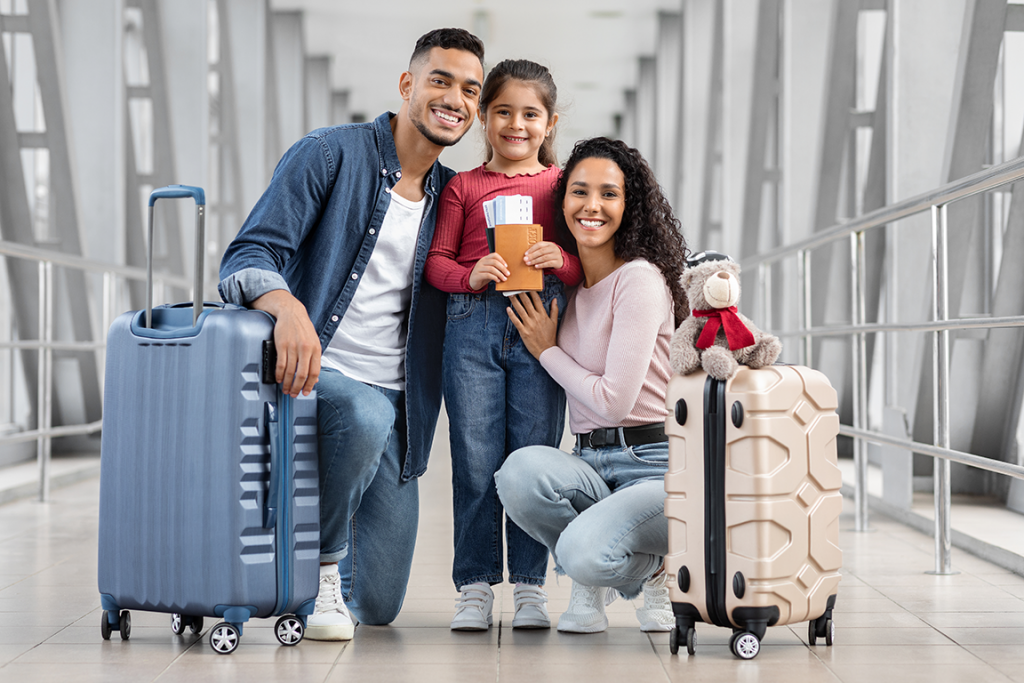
(447, 39)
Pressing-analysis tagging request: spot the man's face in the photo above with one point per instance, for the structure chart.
(443, 94)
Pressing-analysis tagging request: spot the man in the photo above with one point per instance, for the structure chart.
(334, 250)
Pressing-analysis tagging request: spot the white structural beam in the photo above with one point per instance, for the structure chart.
(668, 98)
(289, 71)
(318, 91)
(646, 110)
(248, 31)
(702, 36)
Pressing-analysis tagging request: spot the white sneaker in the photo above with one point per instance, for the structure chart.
(585, 613)
(531, 611)
(656, 614)
(330, 619)
(473, 610)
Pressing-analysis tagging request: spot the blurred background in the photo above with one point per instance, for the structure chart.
(769, 123)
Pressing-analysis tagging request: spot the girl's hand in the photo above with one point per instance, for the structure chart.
(544, 255)
(537, 328)
(491, 268)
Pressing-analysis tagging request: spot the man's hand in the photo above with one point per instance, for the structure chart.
(544, 255)
(537, 328)
(491, 268)
(298, 346)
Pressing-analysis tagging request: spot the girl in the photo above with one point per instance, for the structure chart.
(497, 395)
(600, 509)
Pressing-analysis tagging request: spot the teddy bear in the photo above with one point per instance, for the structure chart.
(715, 336)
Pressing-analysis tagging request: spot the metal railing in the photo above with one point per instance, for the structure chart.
(45, 344)
(940, 325)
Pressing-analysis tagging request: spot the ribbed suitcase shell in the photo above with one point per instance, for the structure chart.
(185, 466)
(781, 504)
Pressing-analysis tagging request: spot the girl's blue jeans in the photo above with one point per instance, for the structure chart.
(499, 398)
(599, 510)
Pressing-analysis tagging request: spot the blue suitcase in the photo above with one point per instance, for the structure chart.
(209, 503)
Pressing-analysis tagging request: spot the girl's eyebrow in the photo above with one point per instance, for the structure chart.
(510, 105)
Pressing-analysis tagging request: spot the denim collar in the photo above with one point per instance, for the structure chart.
(388, 155)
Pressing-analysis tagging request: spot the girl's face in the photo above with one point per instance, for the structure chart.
(517, 122)
(595, 199)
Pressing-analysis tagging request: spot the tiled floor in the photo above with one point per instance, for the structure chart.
(894, 621)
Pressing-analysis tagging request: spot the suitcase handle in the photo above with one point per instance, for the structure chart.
(177, 192)
(274, 430)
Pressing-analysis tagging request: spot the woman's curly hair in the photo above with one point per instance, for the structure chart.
(649, 230)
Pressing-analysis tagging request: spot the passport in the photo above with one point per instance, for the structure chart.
(511, 242)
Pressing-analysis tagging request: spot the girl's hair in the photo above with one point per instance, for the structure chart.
(543, 84)
(649, 230)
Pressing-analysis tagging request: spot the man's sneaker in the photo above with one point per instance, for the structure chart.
(330, 619)
(531, 610)
(473, 610)
(656, 614)
(585, 613)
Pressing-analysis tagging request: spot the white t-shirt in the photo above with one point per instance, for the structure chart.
(369, 344)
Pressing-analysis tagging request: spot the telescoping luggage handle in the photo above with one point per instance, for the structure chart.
(177, 192)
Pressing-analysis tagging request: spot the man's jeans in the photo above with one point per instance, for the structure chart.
(368, 515)
(499, 398)
(601, 513)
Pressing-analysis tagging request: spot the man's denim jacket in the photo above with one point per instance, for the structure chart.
(312, 233)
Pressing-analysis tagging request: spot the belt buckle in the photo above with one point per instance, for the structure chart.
(590, 440)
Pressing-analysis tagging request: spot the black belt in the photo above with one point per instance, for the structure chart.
(632, 436)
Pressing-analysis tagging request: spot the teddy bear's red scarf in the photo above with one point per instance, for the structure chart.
(736, 333)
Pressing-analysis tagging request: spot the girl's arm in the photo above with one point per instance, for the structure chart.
(640, 306)
(571, 272)
(441, 269)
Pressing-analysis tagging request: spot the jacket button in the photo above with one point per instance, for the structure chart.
(334, 318)
(388, 190)
(355, 276)
(383, 171)
(398, 174)
(373, 231)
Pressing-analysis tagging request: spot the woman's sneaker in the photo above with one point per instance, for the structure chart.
(473, 610)
(656, 614)
(531, 607)
(585, 613)
(330, 619)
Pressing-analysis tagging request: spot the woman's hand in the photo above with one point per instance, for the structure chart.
(537, 328)
(491, 268)
(544, 255)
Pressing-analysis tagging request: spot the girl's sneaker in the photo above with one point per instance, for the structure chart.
(585, 613)
(330, 619)
(473, 610)
(531, 607)
(656, 614)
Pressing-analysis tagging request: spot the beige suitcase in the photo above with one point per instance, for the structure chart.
(753, 504)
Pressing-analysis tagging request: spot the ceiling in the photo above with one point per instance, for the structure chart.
(591, 48)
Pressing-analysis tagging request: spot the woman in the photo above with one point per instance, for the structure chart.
(600, 509)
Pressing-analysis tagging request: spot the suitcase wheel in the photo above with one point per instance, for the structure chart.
(744, 645)
(180, 621)
(289, 630)
(673, 640)
(691, 640)
(224, 638)
(125, 625)
(823, 627)
(105, 626)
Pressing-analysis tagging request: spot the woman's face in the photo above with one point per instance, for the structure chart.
(595, 199)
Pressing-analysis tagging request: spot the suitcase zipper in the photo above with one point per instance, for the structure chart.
(714, 500)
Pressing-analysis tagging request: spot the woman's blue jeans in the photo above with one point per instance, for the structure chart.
(600, 511)
(499, 398)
